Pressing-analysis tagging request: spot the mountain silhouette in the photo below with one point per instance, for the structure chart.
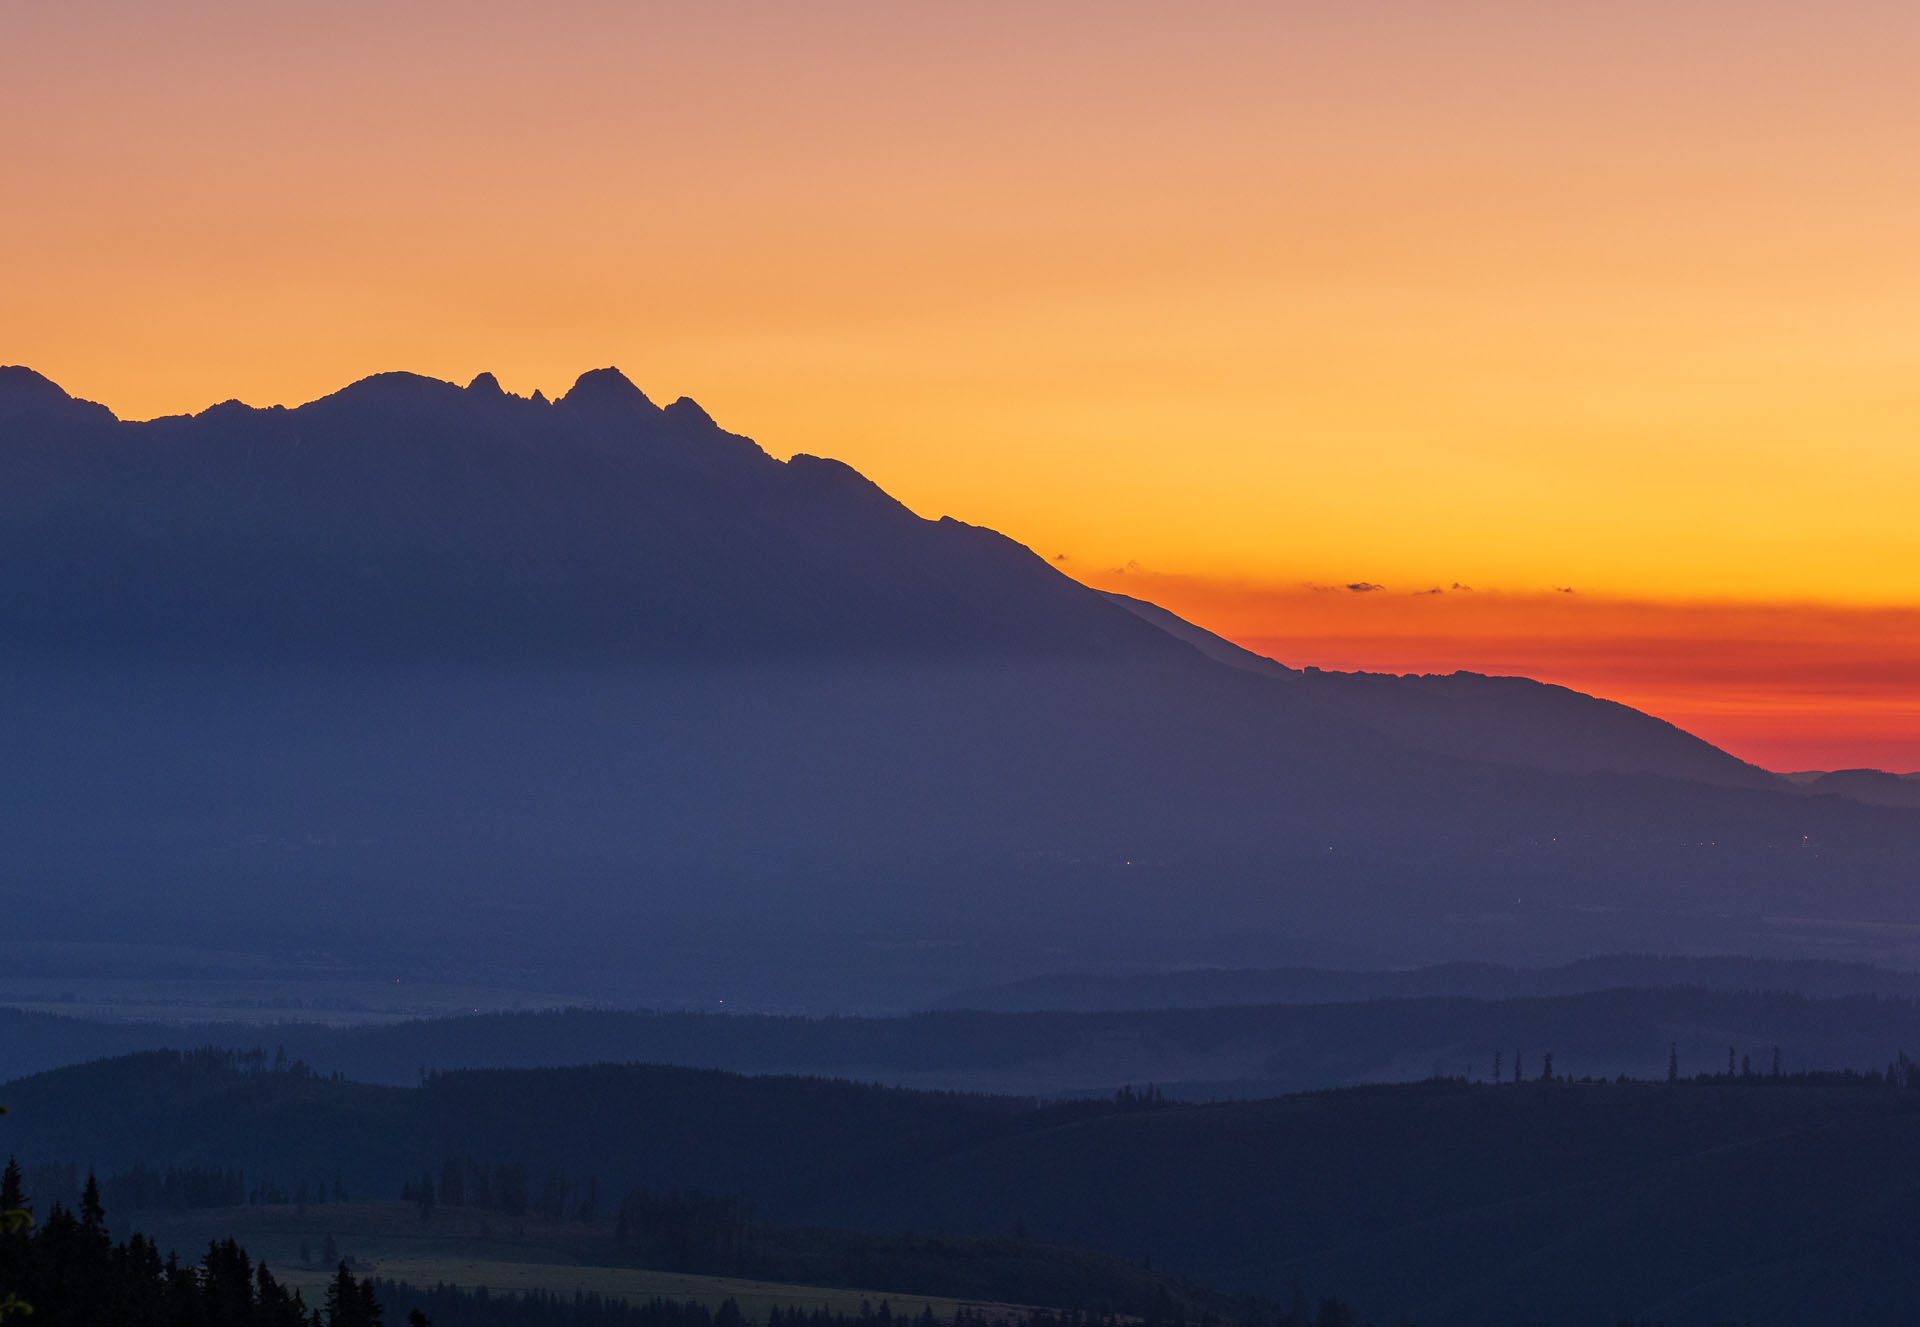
(27, 398)
(1867, 785)
(439, 674)
(1511, 720)
(408, 518)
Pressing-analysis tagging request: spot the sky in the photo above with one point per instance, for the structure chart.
(1603, 310)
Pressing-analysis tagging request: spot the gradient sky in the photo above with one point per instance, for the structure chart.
(1243, 299)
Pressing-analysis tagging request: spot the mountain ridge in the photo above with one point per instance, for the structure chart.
(1425, 712)
(609, 671)
(1489, 717)
(563, 515)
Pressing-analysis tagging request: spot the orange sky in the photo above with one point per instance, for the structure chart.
(1612, 296)
(1790, 686)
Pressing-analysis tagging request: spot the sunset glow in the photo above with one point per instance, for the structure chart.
(1787, 686)
(1212, 303)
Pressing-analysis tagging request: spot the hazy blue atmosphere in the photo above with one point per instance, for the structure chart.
(593, 697)
(1275, 681)
(499, 842)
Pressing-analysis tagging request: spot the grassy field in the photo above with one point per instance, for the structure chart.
(470, 1249)
(753, 1297)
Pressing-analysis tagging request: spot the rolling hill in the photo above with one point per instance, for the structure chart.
(1191, 1054)
(1752, 1198)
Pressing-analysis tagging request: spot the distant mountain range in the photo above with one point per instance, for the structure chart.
(442, 677)
(1193, 1052)
(1863, 785)
(1212, 988)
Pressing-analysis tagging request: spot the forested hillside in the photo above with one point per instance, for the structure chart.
(1739, 1191)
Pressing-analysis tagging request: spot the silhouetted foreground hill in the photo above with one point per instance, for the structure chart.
(1200, 1054)
(1747, 1198)
(447, 679)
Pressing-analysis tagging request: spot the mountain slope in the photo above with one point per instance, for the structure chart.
(424, 678)
(1510, 720)
(404, 518)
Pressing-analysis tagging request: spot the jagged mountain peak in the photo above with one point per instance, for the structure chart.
(623, 672)
(407, 516)
(604, 390)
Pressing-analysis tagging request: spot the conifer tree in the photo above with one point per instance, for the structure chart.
(15, 1220)
(345, 1305)
(13, 1196)
(92, 1215)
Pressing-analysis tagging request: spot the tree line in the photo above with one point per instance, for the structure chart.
(451, 1306)
(1902, 1071)
(67, 1271)
(505, 1187)
(688, 1230)
(177, 1188)
(699, 1232)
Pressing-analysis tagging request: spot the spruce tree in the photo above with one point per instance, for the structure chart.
(13, 1195)
(93, 1216)
(343, 1300)
(15, 1221)
(369, 1307)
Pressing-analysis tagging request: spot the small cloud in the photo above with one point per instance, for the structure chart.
(1364, 587)
(1465, 589)
(1059, 557)
(1563, 589)
(1421, 594)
